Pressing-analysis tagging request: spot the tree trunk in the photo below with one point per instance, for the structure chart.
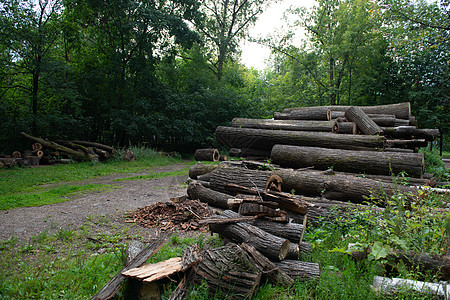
(209, 154)
(197, 191)
(344, 127)
(407, 144)
(294, 125)
(266, 139)
(110, 149)
(220, 178)
(200, 169)
(339, 187)
(271, 246)
(229, 270)
(299, 270)
(364, 123)
(410, 132)
(281, 116)
(369, 162)
(318, 113)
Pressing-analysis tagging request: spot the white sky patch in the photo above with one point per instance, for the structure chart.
(269, 22)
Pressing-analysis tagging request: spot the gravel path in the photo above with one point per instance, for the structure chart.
(23, 223)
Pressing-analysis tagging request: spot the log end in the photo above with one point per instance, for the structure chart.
(284, 250)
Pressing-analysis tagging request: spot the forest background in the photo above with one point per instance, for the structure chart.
(164, 74)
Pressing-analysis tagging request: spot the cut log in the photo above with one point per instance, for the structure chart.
(256, 209)
(339, 187)
(410, 132)
(200, 169)
(78, 155)
(229, 270)
(295, 125)
(197, 191)
(383, 120)
(110, 289)
(11, 162)
(209, 154)
(266, 139)
(406, 144)
(273, 183)
(398, 150)
(281, 116)
(110, 149)
(299, 270)
(240, 176)
(204, 177)
(364, 123)
(271, 246)
(391, 285)
(345, 128)
(297, 251)
(270, 271)
(402, 122)
(37, 153)
(235, 152)
(309, 113)
(378, 163)
(400, 110)
(103, 154)
(223, 221)
(291, 231)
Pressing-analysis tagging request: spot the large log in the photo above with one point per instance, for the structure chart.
(110, 149)
(400, 110)
(197, 191)
(266, 139)
(340, 187)
(364, 123)
(281, 116)
(410, 132)
(378, 163)
(344, 127)
(79, 155)
(229, 270)
(406, 144)
(291, 231)
(220, 178)
(209, 154)
(201, 168)
(294, 125)
(309, 113)
(299, 270)
(270, 245)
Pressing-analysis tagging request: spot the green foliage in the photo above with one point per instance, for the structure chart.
(433, 162)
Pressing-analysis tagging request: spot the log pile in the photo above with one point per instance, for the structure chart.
(45, 152)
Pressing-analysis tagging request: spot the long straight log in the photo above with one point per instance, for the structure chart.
(80, 155)
(299, 270)
(309, 113)
(270, 245)
(406, 144)
(196, 191)
(400, 110)
(364, 123)
(294, 125)
(266, 139)
(345, 127)
(110, 149)
(220, 178)
(378, 163)
(340, 187)
(410, 132)
(291, 231)
(209, 154)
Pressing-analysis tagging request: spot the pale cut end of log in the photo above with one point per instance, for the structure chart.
(16, 154)
(274, 183)
(36, 146)
(38, 153)
(223, 158)
(209, 154)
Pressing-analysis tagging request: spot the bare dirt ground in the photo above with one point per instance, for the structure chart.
(126, 196)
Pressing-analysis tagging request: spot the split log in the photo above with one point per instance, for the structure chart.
(378, 163)
(408, 144)
(410, 132)
(229, 270)
(153, 272)
(78, 155)
(266, 139)
(364, 123)
(345, 127)
(400, 110)
(294, 125)
(197, 191)
(270, 245)
(340, 187)
(299, 270)
(110, 289)
(110, 149)
(209, 154)
(235, 152)
(200, 169)
(270, 271)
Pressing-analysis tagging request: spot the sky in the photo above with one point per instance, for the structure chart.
(255, 55)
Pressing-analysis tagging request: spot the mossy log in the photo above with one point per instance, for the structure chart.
(410, 132)
(293, 125)
(378, 163)
(265, 139)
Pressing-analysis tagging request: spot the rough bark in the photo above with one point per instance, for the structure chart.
(209, 154)
(200, 169)
(110, 149)
(259, 209)
(220, 178)
(406, 144)
(291, 231)
(281, 116)
(294, 125)
(378, 163)
(270, 245)
(299, 270)
(344, 127)
(410, 132)
(197, 191)
(229, 270)
(339, 187)
(364, 123)
(309, 113)
(266, 139)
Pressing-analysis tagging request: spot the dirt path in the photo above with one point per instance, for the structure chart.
(129, 195)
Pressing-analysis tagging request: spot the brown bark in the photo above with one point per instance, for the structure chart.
(364, 123)
(240, 176)
(266, 139)
(271, 246)
(291, 231)
(345, 128)
(294, 125)
(229, 270)
(110, 149)
(410, 132)
(369, 162)
(79, 155)
(299, 270)
(197, 191)
(200, 169)
(209, 154)
(406, 144)
(281, 116)
(339, 187)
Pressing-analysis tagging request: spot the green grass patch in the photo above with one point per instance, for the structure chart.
(156, 175)
(50, 196)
